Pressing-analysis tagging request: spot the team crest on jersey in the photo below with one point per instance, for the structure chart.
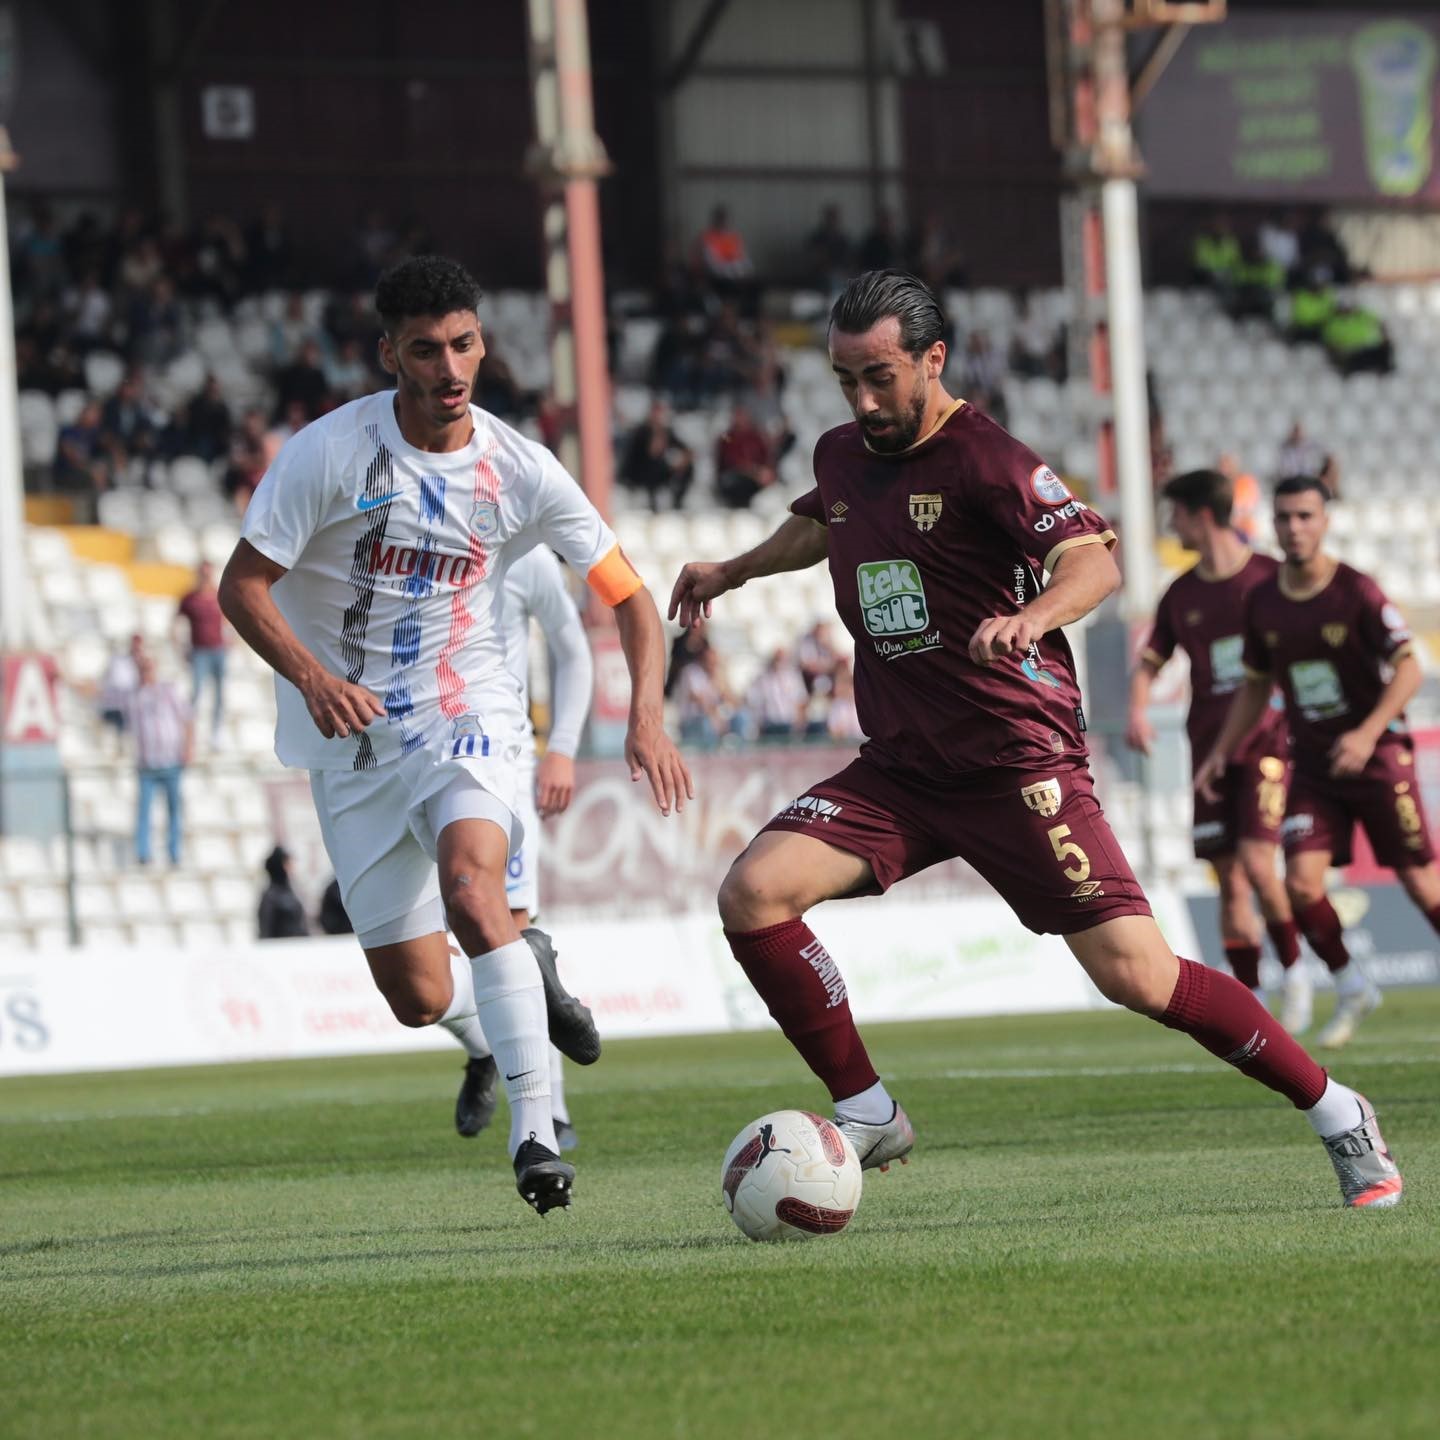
(485, 518)
(1194, 617)
(1048, 486)
(925, 510)
(1334, 635)
(1043, 797)
(468, 738)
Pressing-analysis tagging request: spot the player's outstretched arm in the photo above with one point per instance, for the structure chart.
(796, 545)
(1249, 704)
(336, 706)
(649, 751)
(1083, 576)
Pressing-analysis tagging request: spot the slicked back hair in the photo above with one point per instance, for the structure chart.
(1203, 490)
(877, 294)
(1301, 484)
(424, 285)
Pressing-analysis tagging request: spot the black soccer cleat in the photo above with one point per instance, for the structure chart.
(542, 1177)
(572, 1027)
(475, 1104)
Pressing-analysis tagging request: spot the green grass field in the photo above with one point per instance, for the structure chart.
(1102, 1233)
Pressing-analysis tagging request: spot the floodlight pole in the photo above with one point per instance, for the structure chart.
(566, 159)
(14, 617)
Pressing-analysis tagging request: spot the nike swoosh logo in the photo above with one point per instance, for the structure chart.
(364, 503)
(520, 1076)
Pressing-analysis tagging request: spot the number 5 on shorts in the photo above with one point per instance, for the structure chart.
(1066, 850)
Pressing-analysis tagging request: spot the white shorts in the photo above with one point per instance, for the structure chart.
(522, 879)
(381, 826)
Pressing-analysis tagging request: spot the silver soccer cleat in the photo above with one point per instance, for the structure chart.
(1297, 999)
(878, 1145)
(1369, 1178)
(1350, 1010)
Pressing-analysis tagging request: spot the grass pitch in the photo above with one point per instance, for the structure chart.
(1102, 1233)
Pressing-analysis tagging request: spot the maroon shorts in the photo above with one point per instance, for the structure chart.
(1322, 813)
(1251, 807)
(1038, 836)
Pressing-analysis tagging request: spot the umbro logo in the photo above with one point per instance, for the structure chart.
(837, 512)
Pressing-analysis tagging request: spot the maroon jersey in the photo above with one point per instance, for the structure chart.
(1206, 619)
(1326, 651)
(926, 544)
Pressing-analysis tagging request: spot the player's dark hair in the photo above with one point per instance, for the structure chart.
(1202, 490)
(1300, 484)
(877, 294)
(424, 285)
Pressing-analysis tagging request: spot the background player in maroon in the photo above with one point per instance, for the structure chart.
(1203, 613)
(1342, 655)
(936, 525)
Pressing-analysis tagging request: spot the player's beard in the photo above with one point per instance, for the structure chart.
(906, 424)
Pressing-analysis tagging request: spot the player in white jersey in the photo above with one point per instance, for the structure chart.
(535, 589)
(368, 576)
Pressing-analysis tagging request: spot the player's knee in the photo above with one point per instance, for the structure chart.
(750, 899)
(478, 913)
(416, 1011)
(1303, 891)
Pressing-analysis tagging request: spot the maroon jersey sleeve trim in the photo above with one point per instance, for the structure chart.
(1400, 652)
(1105, 538)
(1152, 659)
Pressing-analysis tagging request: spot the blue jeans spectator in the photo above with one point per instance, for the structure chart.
(168, 780)
(208, 665)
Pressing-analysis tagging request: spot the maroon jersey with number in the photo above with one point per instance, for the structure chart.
(1327, 650)
(1206, 619)
(926, 544)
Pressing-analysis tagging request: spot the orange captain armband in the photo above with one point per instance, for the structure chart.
(613, 578)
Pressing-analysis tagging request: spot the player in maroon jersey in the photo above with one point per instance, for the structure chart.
(1342, 656)
(1203, 613)
(937, 526)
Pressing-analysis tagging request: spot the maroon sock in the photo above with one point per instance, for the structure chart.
(1321, 926)
(1285, 937)
(1245, 964)
(1433, 916)
(1224, 1017)
(805, 992)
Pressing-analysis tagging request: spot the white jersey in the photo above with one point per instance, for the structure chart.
(395, 560)
(535, 589)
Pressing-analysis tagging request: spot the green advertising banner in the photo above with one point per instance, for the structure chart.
(1328, 106)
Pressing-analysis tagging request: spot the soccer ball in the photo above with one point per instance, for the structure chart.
(790, 1175)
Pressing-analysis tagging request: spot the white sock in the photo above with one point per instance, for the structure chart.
(511, 1004)
(1336, 1110)
(870, 1107)
(558, 1108)
(1351, 980)
(460, 1019)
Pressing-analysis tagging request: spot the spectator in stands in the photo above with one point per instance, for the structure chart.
(352, 317)
(829, 252)
(496, 386)
(200, 610)
(841, 720)
(744, 461)
(89, 311)
(161, 723)
(203, 426)
(218, 252)
(141, 265)
(727, 354)
(685, 650)
(281, 915)
(721, 261)
(268, 251)
(333, 919)
(935, 257)
(1255, 285)
(130, 428)
(1321, 251)
(1300, 455)
(656, 460)
(818, 658)
(1312, 304)
(1355, 341)
(250, 457)
(302, 384)
(40, 257)
(777, 699)
(289, 333)
(50, 370)
(1245, 503)
(881, 248)
(982, 374)
(118, 684)
(80, 463)
(347, 376)
(705, 706)
(1034, 343)
(158, 328)
(1215, 255)
(1279, 239)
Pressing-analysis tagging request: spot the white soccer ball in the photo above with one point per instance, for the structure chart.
(791, 1175)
